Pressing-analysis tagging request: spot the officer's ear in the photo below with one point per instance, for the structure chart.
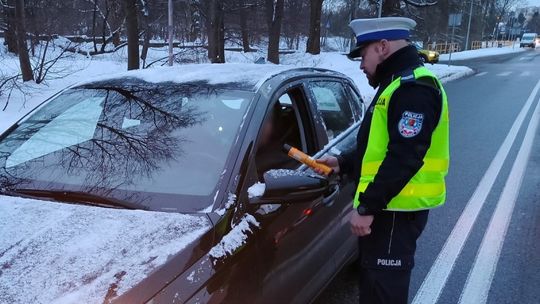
(384, 48)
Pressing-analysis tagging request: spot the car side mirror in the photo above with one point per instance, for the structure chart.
(289, 186)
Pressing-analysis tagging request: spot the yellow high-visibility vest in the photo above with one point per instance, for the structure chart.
(427, 188)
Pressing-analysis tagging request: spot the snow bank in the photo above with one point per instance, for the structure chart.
(482, 53)
(447, 73)
(60, 253)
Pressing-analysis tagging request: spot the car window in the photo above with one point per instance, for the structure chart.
(287, 122)
(357, 103)
(157, 143)
(333, 105)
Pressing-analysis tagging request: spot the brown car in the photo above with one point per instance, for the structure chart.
(171, 186)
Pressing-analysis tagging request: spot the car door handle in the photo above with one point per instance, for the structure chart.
(329, 199)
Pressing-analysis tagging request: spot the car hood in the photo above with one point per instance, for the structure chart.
(62, 253)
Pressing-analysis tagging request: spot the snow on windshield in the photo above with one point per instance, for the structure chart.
(52, 252)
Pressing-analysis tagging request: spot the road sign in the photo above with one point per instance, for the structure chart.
(454, 19)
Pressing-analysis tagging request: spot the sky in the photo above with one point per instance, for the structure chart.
(533, 2)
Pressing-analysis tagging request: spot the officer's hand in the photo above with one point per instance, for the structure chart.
(360, 224)
(330, 161)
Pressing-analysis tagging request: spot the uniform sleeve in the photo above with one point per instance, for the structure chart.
(413, 114)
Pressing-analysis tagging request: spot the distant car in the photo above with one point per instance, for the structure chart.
(528, 40)
(427, 56)
(191, 142)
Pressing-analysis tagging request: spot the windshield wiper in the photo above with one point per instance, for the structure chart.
(75, 197)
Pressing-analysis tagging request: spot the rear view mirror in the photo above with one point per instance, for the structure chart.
(289, 186)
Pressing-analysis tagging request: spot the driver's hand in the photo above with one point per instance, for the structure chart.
(330, 161)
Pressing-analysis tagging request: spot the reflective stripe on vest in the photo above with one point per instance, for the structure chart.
(427, 188)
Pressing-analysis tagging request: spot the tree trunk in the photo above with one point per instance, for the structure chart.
(132, 28)
(391, 8)
(274, 11)
(104, 39)
(94, 17)
(314, 39)
(244, 29)
(114, 9)
(216, 38)
(24, 60)
(147, 36)
(11, 36)
(441, 24)
(354, 7)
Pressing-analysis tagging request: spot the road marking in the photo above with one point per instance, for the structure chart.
(481, 276)
(527, 57)
(504, 74)
(525, 73)
(434, 282)
(481, 74)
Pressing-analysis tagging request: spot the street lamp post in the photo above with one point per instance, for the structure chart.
(380, 8)
(469, 26)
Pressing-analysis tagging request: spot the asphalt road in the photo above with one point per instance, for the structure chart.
(483, 245)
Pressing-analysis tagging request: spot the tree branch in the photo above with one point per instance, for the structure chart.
(420, 4)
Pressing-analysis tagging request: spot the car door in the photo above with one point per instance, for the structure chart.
(294, 241)
(339, 109)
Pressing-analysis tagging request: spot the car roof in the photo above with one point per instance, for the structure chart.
(241, 76)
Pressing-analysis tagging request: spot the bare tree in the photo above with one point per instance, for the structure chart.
(244, 14)
(216, 31)
(314, 39)
(132, 27)
(8, 8)
(24, 60)
(274, 15)
(395, 7)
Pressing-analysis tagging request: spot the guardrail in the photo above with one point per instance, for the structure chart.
(488, 44)
(444, 48)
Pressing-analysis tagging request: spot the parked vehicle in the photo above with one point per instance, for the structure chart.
(528, 40)
(427, 56)
(191, 141)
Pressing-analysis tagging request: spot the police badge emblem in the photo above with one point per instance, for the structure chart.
(410, 124)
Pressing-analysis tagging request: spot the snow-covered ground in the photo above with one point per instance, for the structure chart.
(77, 68)
(483, 53)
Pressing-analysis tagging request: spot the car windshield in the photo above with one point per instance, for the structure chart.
(528, 37)
(163, 146)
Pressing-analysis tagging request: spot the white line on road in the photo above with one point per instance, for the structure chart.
(527, 57)
(478, 283)
(504, 74)
(481, 74)
(525, 73)
(437, 276)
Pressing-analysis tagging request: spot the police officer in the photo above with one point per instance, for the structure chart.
(401, 158)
